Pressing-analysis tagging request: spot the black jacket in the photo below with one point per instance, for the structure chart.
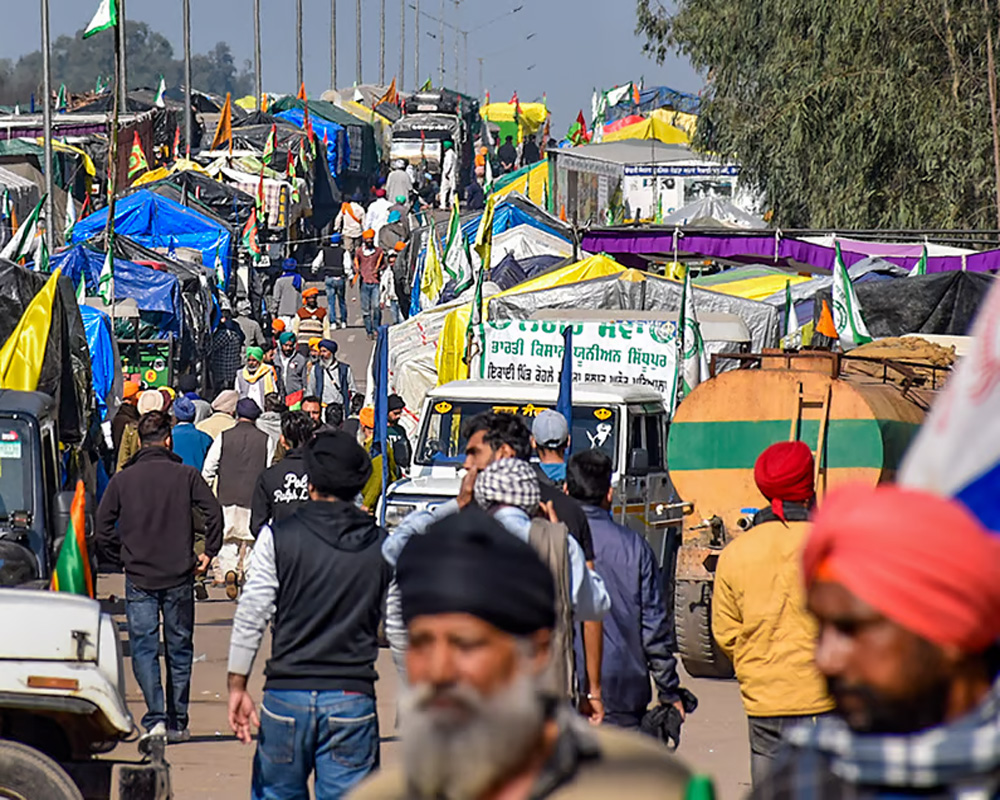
(280, 491)
(569, 511)
(145, 519)
(332, 580)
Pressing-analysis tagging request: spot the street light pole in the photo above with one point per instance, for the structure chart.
(257, 77)
(455, 78)
(187, 77)
(416, 45)
(333, 44)
(47, 117)
(441, 42)
(402, 44)
(381, 44)
(298, 44)
(358, 72)
(123, 68)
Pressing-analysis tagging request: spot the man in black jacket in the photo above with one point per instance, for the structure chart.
(283, 488)
(321, 574)
(146, 521)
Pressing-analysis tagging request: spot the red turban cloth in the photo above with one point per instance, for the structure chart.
(784, 472)
(922, 560)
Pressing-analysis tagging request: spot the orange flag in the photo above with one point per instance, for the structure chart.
(389, 97)
(264, 104)
(224, 130)
(825, 324)
(302, 92)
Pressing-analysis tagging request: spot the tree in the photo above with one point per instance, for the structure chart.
(846, 114)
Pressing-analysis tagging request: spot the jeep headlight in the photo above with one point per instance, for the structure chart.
(395, 513)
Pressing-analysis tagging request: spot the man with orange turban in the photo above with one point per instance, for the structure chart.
(759, 618)
(904, 586)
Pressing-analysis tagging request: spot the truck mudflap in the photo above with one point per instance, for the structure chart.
(122, 780)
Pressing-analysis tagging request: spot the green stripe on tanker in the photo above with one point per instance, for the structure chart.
(850, 443)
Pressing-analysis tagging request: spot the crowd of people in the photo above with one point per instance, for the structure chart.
(528, 625)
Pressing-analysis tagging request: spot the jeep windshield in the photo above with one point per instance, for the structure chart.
(15, 467)
(441, 441)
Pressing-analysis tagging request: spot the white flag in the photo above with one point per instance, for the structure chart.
(456, 252)
(160, 92)
(70, 217)
(22, 242)
(106, 17)
(106, 280)
(847, 317)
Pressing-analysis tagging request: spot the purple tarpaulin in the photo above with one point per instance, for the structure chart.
(779, 250)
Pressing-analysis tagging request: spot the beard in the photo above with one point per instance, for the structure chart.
(460, 750)
(867, 710)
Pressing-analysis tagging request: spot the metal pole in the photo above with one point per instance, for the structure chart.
(298, 44)
(455, 76)
(402, 44)
(465, 61)
(122, 66)
(47, 114)
(381, 44)
(333, 44)
(258, 78)
(187, 78)
(416, 45)
(441, 42)
(358, 78)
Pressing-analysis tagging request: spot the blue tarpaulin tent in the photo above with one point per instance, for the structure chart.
(156, 221)
(338, 151)
(507, 216)
(155, 293)
(104, 360)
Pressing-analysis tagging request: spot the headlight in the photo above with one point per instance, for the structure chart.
(397, 512)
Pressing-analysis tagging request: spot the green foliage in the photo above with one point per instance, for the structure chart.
(847, 114)
(77, 62)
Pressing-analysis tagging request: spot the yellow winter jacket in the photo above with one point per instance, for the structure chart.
(759, 619)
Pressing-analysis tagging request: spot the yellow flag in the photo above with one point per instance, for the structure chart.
(484, 233)
(224, 130)
(433, 278)
(22, 354)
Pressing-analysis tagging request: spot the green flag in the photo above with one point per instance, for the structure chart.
(220, 269)
(106, 17)
(475, 318)
(72, 572)
(484, 234)
(268, 155)
(847, 317)
(161, 91)
(456, 252)
(81, 290)
(694, 361)
(791, 337)
(70, 222)
(21, 242)
(106, 280)
(920, 268)
(427, 86)
(61, 98)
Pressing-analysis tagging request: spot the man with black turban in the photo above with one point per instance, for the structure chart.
(320, 574)
(475, 721)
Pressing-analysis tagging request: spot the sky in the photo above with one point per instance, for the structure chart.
(564, 48)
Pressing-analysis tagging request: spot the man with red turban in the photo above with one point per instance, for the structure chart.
(759, 618)
(904, 586)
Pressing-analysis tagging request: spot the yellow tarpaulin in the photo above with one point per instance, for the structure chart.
(757, 288)
(531, 184)
(648, 129)
(686, 122)
(451, 345)
(181, 165)
(23, 354)
(533, 115)
(248, 103)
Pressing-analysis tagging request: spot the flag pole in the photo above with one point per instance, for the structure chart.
(121, 59)
(109, 231)
(47, 117)
(187, 78)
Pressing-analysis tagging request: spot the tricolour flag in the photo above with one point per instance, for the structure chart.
(21, 243)
(456, 251)
(847, 317)
(920, 268)
(249, 237)
(106, 17)
(269, 146)
(72, 572)
(694, 362)
(106, 280)
(23, 353)
(161, 92)
(137, 158)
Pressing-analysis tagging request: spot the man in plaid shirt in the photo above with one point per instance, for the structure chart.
(904, 586)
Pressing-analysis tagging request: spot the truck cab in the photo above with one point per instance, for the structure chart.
(628, 423)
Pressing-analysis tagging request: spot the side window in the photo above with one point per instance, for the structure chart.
(50, 467)
(635, 431)
(654, 441)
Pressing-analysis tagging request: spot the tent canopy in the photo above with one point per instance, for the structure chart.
(529, 181)
(157, 221)
(649, 129)
(753, 283)
(104, 359)
(714, 212)
(337, 148)
(531, 118)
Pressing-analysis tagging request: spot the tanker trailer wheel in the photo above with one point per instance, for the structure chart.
(27, 774)
(700, 654)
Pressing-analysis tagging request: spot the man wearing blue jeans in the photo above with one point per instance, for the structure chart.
(369, 261)
(145, 521)
(321, 576)
(333, 262)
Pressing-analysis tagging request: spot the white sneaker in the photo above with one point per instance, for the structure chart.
(147, 740)
(177, 737)
(343, 325)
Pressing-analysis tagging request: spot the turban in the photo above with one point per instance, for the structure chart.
(367, 417)
(184, 409)
(784, 472)
(310, 292)
(329, 344)
(337, 464)
(369, 234)
(187, 383)
(225, 403)
(151, 400)
(278, 325)
(399, 247)
(469, 564)
(508, 482)
(247, 409)
(380, 192)
(255, 352)
(130, 389)
(286, 337)
(335, 238)
(394, 216)
(922, 560)
(289, 265)
(401, 199)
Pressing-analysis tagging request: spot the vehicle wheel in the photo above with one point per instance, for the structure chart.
(700, 654)
(27, 774)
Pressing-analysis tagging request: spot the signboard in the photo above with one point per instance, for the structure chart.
(644, 170)
(612, 353)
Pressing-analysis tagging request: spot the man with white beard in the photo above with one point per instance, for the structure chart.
(479, 605)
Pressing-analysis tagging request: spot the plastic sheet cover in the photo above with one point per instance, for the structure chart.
(104, 359)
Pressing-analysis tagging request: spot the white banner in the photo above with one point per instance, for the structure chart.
(612, 353)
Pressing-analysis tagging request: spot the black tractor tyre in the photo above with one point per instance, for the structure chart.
(27, 774)
(700, 654)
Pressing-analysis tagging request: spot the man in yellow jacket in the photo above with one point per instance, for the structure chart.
(759, 616)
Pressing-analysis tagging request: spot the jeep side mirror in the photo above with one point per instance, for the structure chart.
(638, 462)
